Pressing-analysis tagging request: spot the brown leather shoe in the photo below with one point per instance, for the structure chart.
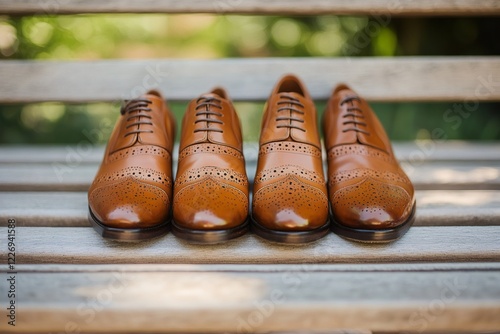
(371, 197)
(130, 198)
(290, 202)
(211, 186)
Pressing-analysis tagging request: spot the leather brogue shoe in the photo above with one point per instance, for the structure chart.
(290, 202)
(372, 199)
(211, 186)
(130, 198)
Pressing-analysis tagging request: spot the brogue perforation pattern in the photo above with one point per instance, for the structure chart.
(370, 196)
(359, 150)
(140, 150)
(211, 193)
(210, 148)
(271, 173)
(130, 194)
(290, 192)
(226, 175)
(365, 172)
(140, 173)
(290, 147)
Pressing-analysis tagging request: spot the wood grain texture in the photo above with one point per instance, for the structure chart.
(398, 79)
(434, 208)
(236, 302)
(420, 244)
(311, 7)
(78, 177)
(265, 268)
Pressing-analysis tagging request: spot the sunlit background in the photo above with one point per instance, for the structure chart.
(88, 37)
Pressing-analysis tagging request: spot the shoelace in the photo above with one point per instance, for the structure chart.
(208, 102)
(137, 110)
(355, 113)
(292, 104)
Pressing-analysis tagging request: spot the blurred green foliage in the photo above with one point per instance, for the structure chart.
(210, 36)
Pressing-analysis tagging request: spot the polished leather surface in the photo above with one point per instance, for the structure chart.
(133, 186)
(211, 186)
(367, 187)
(289, 190)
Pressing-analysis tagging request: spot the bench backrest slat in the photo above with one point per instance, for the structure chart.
(285, 7)
(378, 79)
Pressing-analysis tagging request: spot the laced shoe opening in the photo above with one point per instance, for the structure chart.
(138, 116)
(207, 113)
(341, 87)
(155, 93)
(220, 92)
(291, 85)
(290, 113)
(353, 117)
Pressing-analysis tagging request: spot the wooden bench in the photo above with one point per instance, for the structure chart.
(444, 275)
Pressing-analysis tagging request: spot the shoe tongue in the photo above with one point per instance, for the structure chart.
(212, 95)
(297, 96)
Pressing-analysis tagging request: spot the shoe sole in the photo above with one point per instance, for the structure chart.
(290, 237)
(209, 236)
(128, 234)
(374, 236)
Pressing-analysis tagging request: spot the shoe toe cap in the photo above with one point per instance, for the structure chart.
(129, 203)
(290, 205)
(210, 204)
(371, 204)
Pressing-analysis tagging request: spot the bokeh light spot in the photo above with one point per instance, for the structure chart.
(286, 32)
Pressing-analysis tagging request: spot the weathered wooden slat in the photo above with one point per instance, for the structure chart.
(397, 79)
(435, 208)
(312, 7)
(87, 153)
(452, 150)
(265, 268)
(454, 176)
(78, 176)
(420, 244)
(238, 302)
(454, 208)
(46, 177)
(44, 208)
